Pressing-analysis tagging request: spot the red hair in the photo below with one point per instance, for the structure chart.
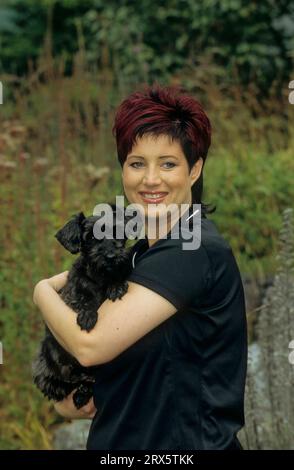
(170, 111)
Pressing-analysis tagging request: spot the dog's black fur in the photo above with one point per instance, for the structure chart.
(99, 273)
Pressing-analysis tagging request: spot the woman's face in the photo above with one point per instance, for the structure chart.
(156, 172)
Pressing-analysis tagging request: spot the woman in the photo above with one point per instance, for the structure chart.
(172, 353)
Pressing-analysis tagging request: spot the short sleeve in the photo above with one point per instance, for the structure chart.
(180, 276)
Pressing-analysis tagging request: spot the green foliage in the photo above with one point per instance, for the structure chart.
(160, 38)
(26, 29)
(251, 40)
(250, 192)
(17, 47)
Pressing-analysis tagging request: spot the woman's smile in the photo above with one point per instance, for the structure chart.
(153, 198)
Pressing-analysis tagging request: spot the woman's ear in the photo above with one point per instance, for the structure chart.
(196, 170)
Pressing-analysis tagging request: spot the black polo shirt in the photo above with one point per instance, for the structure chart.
(182, 385)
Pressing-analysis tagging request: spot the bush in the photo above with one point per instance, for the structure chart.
(236, 38)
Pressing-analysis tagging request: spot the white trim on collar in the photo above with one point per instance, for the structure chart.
(133, 259)
(195, 212)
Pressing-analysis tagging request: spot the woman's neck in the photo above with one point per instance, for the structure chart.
(154, 234)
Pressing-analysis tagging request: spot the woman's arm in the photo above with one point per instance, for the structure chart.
(67, 409)
(120, 323)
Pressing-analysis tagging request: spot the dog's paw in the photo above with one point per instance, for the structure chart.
(80, 400)
(117, 292)
(87, 322)
(82, 395)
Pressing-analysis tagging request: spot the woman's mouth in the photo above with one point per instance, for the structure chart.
(153, 198)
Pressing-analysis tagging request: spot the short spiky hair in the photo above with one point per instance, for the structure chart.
(165, 110)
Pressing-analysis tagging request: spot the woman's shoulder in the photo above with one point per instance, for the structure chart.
(214, 248)
(212, 237)
(204, 234)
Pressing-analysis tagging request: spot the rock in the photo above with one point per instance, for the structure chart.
(72, 436)
(254, 290)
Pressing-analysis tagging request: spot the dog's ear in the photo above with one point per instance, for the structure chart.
(70, 235)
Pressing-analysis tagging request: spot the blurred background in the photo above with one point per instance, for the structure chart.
(65, 65)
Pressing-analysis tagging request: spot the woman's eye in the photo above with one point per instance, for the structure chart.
(135, 163)
(170, 163)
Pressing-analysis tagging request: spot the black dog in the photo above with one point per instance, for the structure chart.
(99, 272)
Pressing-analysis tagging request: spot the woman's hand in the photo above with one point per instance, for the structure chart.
(56, 282)
(67, 409)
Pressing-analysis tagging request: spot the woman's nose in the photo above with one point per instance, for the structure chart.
(152, 176)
